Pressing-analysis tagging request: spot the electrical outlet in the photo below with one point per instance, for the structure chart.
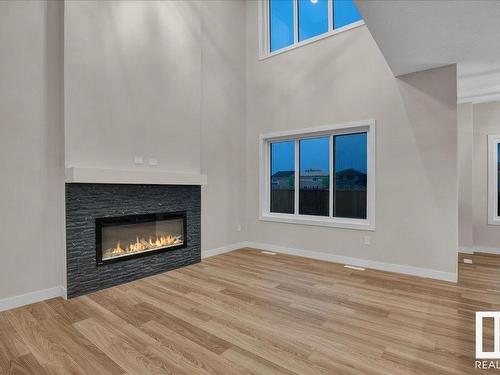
(367, 240)
(138, 160)
(153, 161)
(238, 227)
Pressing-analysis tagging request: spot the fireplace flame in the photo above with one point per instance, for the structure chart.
(141, 244)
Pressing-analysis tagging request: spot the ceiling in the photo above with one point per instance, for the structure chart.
(416, 35)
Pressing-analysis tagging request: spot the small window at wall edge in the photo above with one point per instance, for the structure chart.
(493, 179)
(317, 180)
(279, 23)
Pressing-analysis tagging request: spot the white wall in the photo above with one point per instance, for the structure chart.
(486, 120)
(133, 84)
(31, 147)
(223, 120)
(476, 122)
(345, 78)
(465, 141)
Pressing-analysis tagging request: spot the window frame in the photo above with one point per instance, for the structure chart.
(365, 126)
(493, 141)
(265, 37)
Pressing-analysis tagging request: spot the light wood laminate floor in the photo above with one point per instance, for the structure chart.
(249, 313)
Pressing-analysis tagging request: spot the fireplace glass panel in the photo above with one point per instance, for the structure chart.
(140, 234)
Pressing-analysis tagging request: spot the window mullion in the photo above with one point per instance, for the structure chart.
(330, 15)
(495, 179)
(331, 157)
(493, 214)
(295, 21)
(267, 26)
(268, 188)
(334, 180)
(297, 177)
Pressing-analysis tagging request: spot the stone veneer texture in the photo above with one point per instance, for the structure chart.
(86, 202)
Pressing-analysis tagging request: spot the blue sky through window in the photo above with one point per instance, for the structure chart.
(315, 154)
(351, 152)
(344, 13)
(281, 23)
(313, 18)
(282, 156)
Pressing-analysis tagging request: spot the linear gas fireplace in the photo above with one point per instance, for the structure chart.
(117, 233)
(132, 236)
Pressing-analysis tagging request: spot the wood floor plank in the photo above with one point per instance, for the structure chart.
(43, 344)
(197, 355)
(81, 350)
(277, 354)
(25, 365)
(11, 344)
(120, 350)
(253, 363)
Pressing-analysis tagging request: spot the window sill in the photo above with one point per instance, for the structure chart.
(356, 224)
(494, 221)
(328, 34)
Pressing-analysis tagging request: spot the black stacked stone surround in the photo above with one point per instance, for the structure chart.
(86, 202)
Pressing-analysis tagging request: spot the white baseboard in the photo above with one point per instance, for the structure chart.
(466, 250)
(479, 249)
(223, 249)
(381, 266)
(489, 250)
(28, 298)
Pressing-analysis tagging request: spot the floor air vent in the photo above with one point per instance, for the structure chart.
(354, 267)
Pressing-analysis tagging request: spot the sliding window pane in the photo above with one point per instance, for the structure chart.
(283, 177)
(498, 179)
(344, 13)
(281, 23)
(314, 194)
(313, 18)
(350, 183)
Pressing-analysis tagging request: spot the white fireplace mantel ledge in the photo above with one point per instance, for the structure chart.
(138, 176)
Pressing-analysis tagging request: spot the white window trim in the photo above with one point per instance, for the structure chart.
(493, 141)
(367, 126)
(264, 30)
